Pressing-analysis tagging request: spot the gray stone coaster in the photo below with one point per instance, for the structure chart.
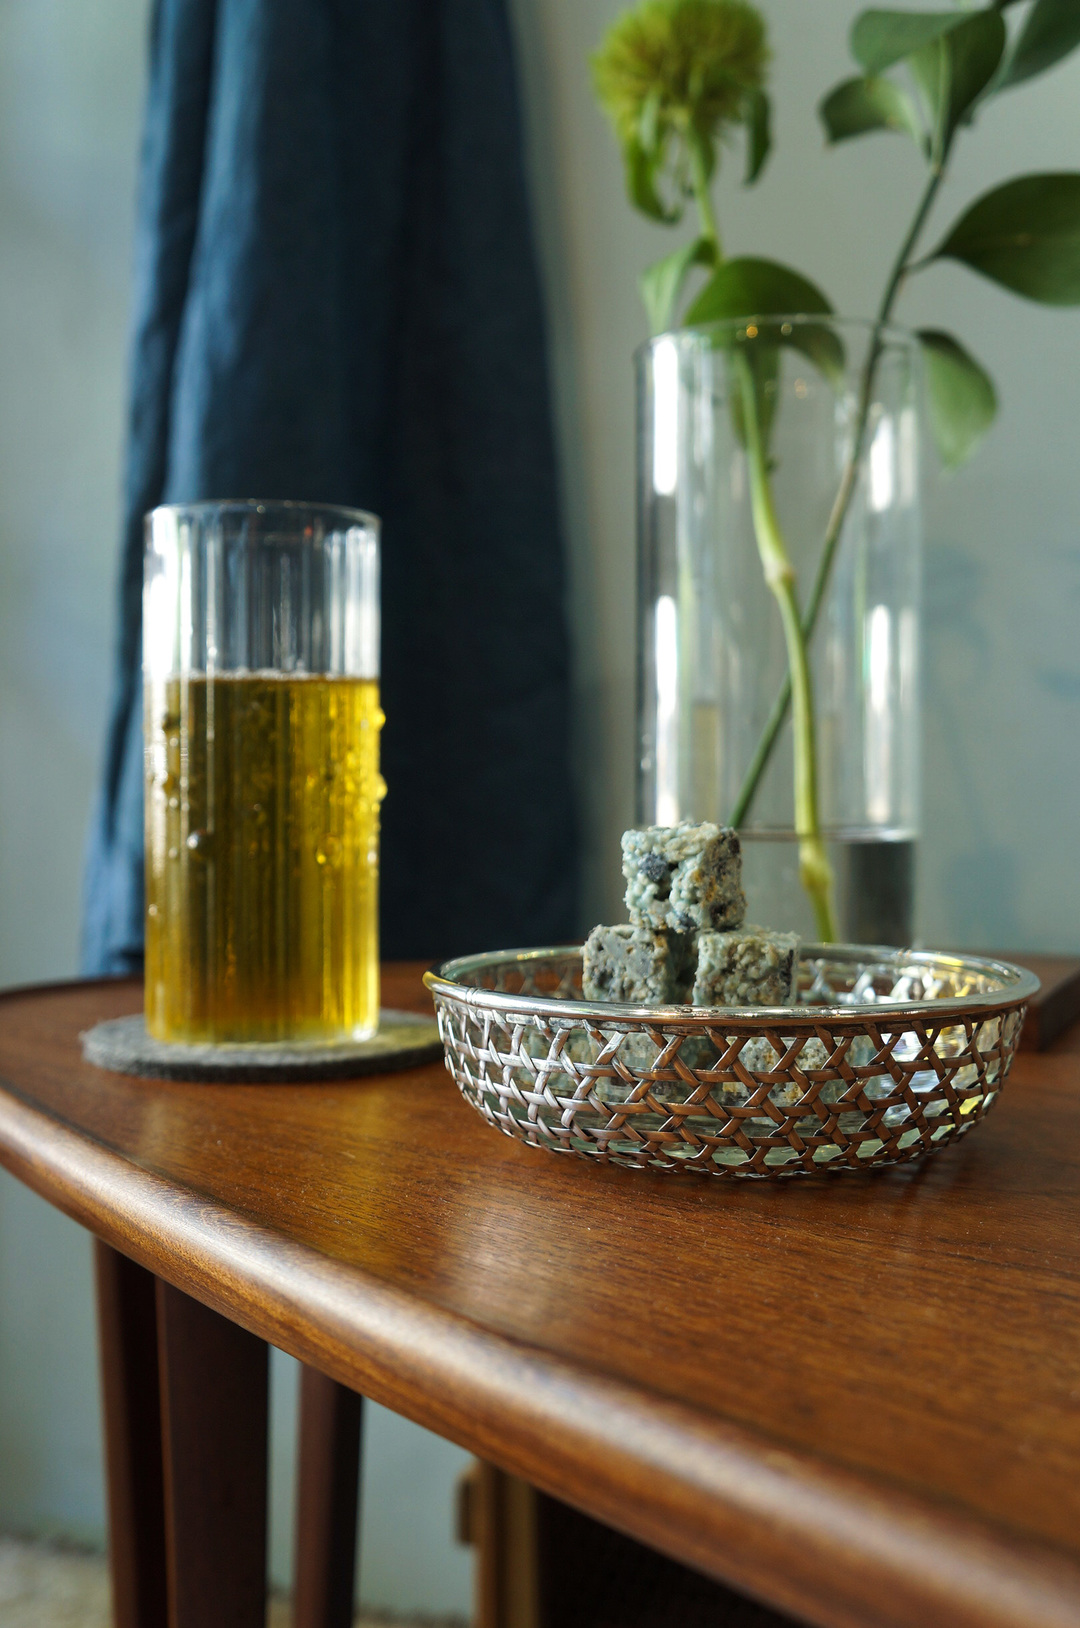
(404, 1040)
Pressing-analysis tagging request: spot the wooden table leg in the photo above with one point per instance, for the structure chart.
(590, 1575)
(127, 1333)
(214, 1396)
(497, 1514)
(541, 1564)
(327, 1502)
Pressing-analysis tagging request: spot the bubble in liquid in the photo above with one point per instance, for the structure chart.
(199, 843)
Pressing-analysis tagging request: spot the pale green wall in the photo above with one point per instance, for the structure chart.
(70, 84)
(1003, 692)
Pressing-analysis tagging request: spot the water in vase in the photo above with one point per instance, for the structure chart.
(873, 875)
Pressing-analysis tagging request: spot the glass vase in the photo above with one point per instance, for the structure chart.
(837, 404)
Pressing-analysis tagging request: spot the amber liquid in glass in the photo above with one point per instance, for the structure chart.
(262, 833)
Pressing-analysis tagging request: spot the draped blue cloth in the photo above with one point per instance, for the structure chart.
(336, 300)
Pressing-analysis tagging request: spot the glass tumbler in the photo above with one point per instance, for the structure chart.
(261, 718)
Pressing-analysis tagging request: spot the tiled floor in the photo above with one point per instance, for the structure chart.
(48, 1588)
(43, 1587)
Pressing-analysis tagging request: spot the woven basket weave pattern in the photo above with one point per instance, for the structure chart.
(887, 1057)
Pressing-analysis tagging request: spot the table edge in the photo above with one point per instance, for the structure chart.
(801, 1533)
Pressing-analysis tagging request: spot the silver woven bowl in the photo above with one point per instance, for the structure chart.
(889, 1054)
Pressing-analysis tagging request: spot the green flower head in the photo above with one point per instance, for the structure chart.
(672, 75)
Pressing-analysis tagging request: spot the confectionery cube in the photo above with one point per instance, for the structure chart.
(760, 1057)
(750, 967)
(686, 878)
(638, 967)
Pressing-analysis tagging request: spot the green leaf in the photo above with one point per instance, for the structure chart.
(758, 135)
(953, 70)
(1051, 31)
(662, 284)
(761, 345)
(762, 288)
(1024, 235)
(818, 342)
(880, 38)
(642, 170)
(755, 288)
(960, 396)
(861, 105)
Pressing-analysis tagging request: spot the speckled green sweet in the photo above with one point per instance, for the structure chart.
(749, 967)
(760, 1057)
(686, 878)
(639, 967)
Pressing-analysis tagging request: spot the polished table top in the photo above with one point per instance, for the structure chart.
(857, 1398)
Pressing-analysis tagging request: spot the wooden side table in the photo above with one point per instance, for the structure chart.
(855, 1400)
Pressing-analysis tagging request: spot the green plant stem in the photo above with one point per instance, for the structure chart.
(844, 493)
(815, 872)
(703, 199)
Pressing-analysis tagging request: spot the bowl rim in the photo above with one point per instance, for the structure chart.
(1018, 986)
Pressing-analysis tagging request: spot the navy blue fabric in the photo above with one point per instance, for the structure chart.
(336, 300)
